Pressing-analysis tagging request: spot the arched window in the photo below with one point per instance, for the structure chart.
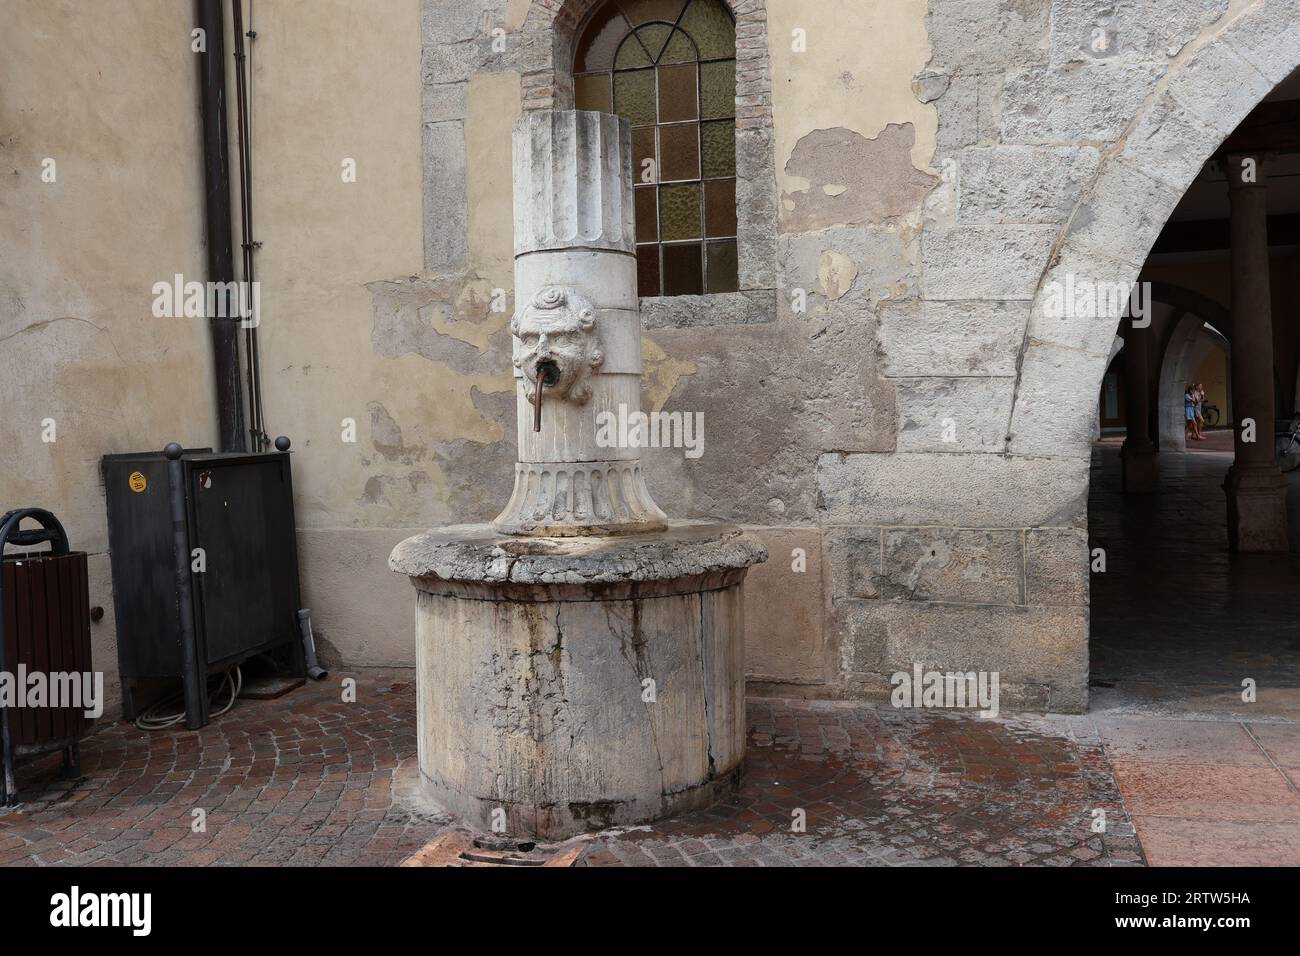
(669, 66)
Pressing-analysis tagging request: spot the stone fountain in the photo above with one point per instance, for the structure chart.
(580, 661)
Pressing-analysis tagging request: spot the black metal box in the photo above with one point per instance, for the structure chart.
(217, 590)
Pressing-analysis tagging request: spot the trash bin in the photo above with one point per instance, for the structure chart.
(44, 629)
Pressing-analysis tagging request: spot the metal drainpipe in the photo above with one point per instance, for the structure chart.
(216, 192)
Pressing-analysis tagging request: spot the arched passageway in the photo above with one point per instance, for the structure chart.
(1195, 610)
(1198, 353)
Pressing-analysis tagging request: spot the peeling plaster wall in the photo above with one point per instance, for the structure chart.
(849, 80)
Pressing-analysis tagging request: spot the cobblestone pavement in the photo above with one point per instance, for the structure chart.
(310, 780)
(303, 780)
(882, 786)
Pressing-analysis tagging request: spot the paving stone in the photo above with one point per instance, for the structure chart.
(879, 787)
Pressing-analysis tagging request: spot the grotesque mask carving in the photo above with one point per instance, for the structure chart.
(558, 341)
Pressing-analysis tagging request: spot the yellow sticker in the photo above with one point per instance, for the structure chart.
(137, 482)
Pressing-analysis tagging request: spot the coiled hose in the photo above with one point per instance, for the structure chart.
(155, 719)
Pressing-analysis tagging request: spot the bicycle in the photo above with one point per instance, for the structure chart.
(1288, 447)
(1211, 415)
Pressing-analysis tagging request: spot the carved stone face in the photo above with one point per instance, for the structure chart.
(557, 329)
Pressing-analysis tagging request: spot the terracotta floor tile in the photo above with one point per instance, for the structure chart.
(1281, 741)
(1177, 841)
(1218, 793)
(1180, 741)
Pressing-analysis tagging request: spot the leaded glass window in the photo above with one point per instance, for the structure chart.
(669, 66)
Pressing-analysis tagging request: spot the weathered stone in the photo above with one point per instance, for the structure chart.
(455, 61)
(1124, 215)
(854, 559)
(611, 668)
(853, 179)
(1056, 567)
(952, 338)
(989, 118)
(1257, 509)
(953, 414)
(446, 210)
(779, 394)
(1081, 300)
(883, 268)
(578, 613)
(479, 554)
(1090, 104)
(985, 262)
(1084, 31)
(445, 21)
(573, 183)
(863, 637)
(756, 208)
(959, 113)
(953, 566)
(966, 490)
(1040, 654)
(987, 36)
(1219, 86)
(1169, 143)
(1265, 38)
(577, 341)
(1025, 184)
(444, 101)
(784, 609)
(930, 85)
(719, 308)
(809, 267)
(1039, 425)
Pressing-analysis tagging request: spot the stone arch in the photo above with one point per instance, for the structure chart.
(1117, 219)
(1179, 356)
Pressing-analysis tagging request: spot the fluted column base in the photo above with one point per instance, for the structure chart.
(566, 499)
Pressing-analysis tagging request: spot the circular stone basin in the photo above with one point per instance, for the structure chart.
(570, 684)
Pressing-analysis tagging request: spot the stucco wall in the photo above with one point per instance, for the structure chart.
(108, 91)
(335, 82)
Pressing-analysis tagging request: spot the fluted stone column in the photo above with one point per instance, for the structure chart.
(576, 305)
(1255, 486)
(1138, 454)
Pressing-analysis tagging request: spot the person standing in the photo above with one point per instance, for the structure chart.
(1189, 413)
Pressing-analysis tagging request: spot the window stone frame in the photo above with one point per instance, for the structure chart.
(549, 34)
